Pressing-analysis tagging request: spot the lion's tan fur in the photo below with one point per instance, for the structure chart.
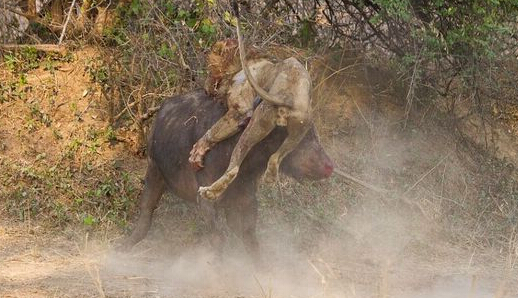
(223, 63)
(285, 88)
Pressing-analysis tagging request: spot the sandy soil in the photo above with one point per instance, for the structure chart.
(35, 263)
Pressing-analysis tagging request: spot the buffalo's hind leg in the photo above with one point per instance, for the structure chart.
(242, 219)
(215, 233)
(153, 190)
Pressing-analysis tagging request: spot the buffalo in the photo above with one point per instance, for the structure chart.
(180, 122)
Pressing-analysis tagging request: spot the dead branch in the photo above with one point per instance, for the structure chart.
(40, 47)
(34, 19)
(411, 90)
(126, 108)
(427, 173)
(360, 182)
(28, 16)
(66, 22)
(150, 112)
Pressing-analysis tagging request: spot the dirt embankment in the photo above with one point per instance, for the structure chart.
(62, 162)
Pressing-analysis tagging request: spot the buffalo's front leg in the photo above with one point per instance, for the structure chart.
(153, 190)
(261, 124)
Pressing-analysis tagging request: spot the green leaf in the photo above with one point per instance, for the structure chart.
(165, 51)
(207, 27)
(22, 80)
(89, 220)
(229, 18)
(191, 22)
(183, 14)
(135, 6)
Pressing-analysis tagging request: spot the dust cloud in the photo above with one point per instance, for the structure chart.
(376, 254)
(389, 245)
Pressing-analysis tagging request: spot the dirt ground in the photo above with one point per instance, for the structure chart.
(35, 263)
(325, 239)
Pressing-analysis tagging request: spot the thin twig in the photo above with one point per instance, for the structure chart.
(260, 287)
(92, 272)
(426, 174)
(181, 58)
(149, 113)
(369, 125)
(33, 18)
(411, 87)
(360, 182)
(334, 73)
(189, 120)
(66, 22)
(322, 276)
(126, 107)
(20, 13)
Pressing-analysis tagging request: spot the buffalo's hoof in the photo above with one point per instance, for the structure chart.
(205, 192)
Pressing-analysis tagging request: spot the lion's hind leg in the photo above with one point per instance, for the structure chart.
(296, 131)
(261, 124)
